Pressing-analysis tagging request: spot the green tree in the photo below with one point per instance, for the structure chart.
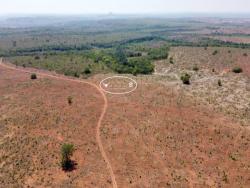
(120, 55)
(237, 70)
(33, 76)
(87, 70)
(186, 78)
(66, 154)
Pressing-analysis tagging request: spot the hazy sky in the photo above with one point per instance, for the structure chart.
(122, 6)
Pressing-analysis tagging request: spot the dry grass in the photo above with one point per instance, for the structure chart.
(232, 98)
(36, 120)
(162, 135)
(159, 137)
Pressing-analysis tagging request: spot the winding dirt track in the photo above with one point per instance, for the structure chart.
(98, 137)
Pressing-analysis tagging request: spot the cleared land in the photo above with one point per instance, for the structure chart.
(155, 137)
(37, 163)
(232, 98)
(164, 134)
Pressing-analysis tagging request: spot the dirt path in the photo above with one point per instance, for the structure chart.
(98, 135)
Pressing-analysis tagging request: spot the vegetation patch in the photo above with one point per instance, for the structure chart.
(67, 151)
(237, 70)
(186, 79)
(33, 76)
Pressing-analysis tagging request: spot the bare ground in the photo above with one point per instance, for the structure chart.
(161, 135)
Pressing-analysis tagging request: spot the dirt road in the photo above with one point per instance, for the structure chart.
(99, 124)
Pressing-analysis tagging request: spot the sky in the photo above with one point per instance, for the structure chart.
(123, 6)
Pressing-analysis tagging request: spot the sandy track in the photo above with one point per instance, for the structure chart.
(105, 106)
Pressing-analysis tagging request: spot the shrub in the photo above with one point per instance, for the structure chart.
(219, 83)
(70, 100)
(37, 57)
(196, 68)
(33, 76)
(186, 78)
(66, 153)
(171, 60)
(215, 52)
(245, 54)
(237, 70)
(225, 178)
(87, 71)
(134, 72)
(76, 74)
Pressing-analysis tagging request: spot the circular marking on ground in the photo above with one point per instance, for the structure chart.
(118, 85)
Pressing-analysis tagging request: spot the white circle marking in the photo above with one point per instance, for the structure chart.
(131, 84)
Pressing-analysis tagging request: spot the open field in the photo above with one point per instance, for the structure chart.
(38, 122)
(163, 134)
(154, 137)
(156, 140)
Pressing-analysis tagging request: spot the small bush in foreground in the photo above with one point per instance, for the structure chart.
(186, 79)
(33, 76)
(66, 153)
(237, 70)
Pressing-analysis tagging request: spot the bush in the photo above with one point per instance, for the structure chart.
(237, 70)
(186, 79)
(245, 54)
(76, 74)
(33, 76)
(87, 71)
(219, 83)
(196, 68)
(37, 57)
(171, 60)
(215, 52)
(70, 100)
(66, 153)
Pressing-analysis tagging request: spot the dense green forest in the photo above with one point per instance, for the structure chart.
(84, 46)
